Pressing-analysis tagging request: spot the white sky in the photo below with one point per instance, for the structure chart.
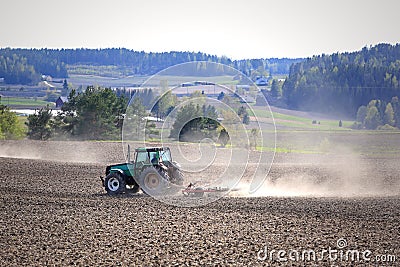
(237, 29)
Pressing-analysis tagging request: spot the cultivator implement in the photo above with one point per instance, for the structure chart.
(197, 191)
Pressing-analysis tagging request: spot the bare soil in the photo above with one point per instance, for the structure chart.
(54, 211)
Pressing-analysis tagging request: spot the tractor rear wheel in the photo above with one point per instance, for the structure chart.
(114, 184)
(151, 181)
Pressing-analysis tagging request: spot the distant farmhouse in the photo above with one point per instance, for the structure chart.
(61, 101)
(47, 78)
(262, 81)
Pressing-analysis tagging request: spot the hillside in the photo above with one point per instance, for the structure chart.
(340, 83)
(25, 66)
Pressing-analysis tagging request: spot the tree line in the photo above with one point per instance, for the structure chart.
(95, 114)
(98, 114)
(379, 114)
(25, 66)
(342, 82)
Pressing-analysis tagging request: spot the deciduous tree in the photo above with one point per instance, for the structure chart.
(10, 128)
(389, 115)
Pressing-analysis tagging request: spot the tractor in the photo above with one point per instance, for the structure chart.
(152, 171)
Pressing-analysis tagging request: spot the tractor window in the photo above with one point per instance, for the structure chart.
(166, 155)
(152, 156)
(142, 157)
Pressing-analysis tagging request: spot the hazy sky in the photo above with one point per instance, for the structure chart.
(237, 29)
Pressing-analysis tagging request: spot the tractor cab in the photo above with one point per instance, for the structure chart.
(153, 155)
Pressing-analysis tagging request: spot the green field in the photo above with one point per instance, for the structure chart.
(290, 122)
(297, 134)
(104, 70)
(150, 81)
(19, 102)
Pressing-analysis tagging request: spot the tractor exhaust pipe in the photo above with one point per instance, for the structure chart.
(129, 154)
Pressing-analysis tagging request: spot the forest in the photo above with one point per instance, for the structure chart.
(342, 82)
(26, 66)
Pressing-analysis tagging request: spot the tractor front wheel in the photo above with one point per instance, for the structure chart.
(114, 184)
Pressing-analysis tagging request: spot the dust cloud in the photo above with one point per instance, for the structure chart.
(338, 173)
(63, 151)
